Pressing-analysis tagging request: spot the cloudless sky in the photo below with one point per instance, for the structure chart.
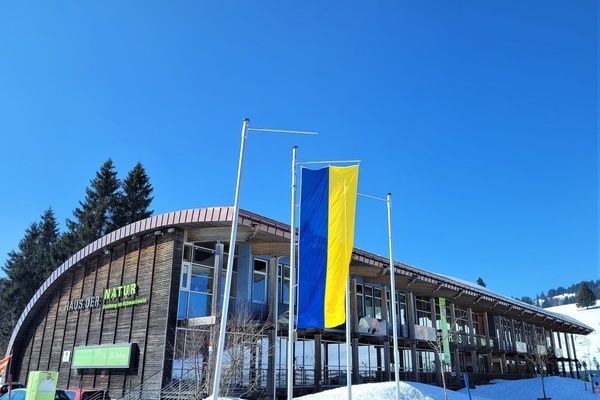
(480, 117)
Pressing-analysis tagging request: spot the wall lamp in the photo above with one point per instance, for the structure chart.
(106, 251)
(171, 230)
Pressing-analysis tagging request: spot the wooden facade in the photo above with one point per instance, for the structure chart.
(70, 311)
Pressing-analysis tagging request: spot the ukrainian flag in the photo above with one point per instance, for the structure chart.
(326, 239)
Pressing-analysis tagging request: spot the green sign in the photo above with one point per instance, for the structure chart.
(103, 356)
(41, 385)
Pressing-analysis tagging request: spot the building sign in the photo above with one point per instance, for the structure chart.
(103, 356)
(114, 297)
(425, 333)
(521, 347)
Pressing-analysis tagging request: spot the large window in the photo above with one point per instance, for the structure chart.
(368, 301)
(197, 282)
(423, 311)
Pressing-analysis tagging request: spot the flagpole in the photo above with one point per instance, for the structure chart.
(348, 338)
(291, 313)
(393, 299)
(388, 201)
(228, 276)
(232, 241)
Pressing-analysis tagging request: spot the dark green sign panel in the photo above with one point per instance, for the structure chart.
(103, 356)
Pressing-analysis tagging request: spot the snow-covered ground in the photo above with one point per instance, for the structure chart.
(526, 389)
(586, 347)
(557, 388)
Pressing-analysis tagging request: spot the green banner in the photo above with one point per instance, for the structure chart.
(444, 323)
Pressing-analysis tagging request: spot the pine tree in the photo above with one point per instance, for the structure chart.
(135, 199)
(49, 240)
(585, 297)
(480, 282)
(27, 269)
(95, 217)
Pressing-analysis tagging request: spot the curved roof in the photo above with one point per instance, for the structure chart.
(271, 237)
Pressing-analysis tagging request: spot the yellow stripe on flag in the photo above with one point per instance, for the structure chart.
(343, 184)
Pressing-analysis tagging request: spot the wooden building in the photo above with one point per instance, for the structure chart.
(123, 312)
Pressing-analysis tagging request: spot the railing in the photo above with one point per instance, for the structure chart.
(147, 390)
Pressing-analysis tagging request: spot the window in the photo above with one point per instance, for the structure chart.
(284, 282)
(423, 310)
(400, 307)
(369, 309)
(185, 276)
(359, 300)
(462, 320)
(201, 279)
(259, 285)
(197, 279)
(378, 303)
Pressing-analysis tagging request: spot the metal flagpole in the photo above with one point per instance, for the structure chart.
(348, 346)
(348, 337)
(393, 300)
(228, 276)
(292, 302)
(388, 200)
(232, 241)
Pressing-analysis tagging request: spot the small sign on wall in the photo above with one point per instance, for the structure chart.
(66, 356)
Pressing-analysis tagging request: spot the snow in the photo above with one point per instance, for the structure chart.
(586, 347)
(557, 388)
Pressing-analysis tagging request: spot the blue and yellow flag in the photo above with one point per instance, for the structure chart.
(326, 239)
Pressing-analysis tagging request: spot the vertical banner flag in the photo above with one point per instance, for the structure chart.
(444, 323)
(326, 239)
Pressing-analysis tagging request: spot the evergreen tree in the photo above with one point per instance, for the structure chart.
(49, 241)
(585, 297)
(480, 282)
(95, 217)
(527, 300)
(135, 198)
(27, 269)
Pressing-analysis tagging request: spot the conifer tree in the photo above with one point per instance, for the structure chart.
(480, 282)
(94, 218)
(134, 199)
(27, 269)
(585, 297)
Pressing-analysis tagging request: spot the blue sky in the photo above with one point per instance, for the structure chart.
(481, 119)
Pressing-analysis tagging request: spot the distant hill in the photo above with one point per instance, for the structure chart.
(561, 295)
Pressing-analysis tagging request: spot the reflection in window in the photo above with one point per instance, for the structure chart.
(197, 280)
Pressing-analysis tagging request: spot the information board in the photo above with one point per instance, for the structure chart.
(103, 356)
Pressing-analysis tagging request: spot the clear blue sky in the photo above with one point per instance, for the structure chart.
(480, 117)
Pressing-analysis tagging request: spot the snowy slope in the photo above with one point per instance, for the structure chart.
(586, 347)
